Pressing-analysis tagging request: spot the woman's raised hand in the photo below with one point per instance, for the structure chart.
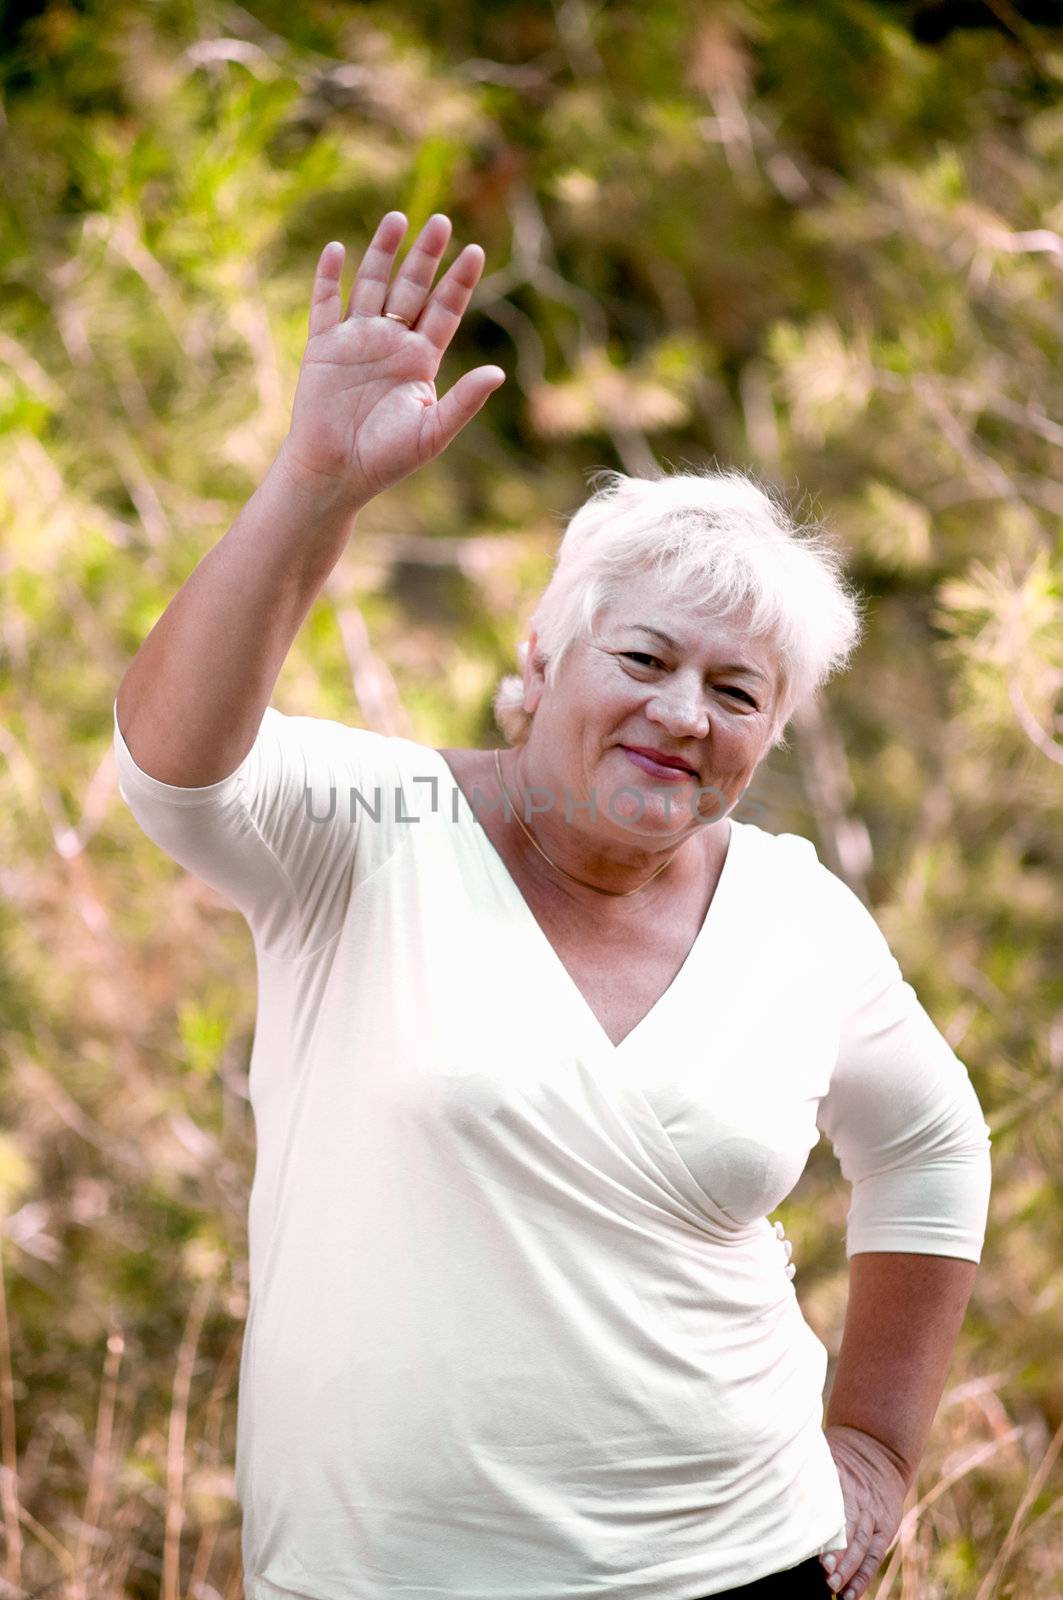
(365, 413)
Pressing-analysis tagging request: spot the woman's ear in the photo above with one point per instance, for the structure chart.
(533, 663)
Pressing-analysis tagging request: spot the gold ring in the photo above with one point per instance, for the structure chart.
(397, 318)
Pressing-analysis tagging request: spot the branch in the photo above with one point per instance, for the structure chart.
(1030, 726)
(830, 791)
(374, 687)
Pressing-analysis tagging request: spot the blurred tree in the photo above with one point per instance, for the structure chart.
(823, 243)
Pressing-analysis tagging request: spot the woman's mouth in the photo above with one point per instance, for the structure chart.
(657, 769)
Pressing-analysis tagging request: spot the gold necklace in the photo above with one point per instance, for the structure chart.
(595, 886)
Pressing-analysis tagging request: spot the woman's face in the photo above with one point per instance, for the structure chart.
(659, 678)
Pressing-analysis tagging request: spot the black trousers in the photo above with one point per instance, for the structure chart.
(805, 1582)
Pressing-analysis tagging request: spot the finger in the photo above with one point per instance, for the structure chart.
(408, 293)
(326, 305)
(855, 1586)
(440, 318)
(829, 1563)
(370, 286)
(461, 403)
(860, 1581)
(850, 1558)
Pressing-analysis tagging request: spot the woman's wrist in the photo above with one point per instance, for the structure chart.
(322, 493)
(869, 1445)
(296, 523)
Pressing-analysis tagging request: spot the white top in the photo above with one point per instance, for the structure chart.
(519, 1325)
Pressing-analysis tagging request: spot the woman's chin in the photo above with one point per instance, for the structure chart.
(650, 810)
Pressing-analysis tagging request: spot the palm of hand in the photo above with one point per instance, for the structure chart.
(361, 404)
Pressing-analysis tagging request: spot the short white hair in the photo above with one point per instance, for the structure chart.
(717, 541)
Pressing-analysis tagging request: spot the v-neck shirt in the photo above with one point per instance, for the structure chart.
(495, 863)
(519, 1322)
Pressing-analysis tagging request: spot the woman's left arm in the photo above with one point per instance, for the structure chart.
(904, 1314)
(909, 1132)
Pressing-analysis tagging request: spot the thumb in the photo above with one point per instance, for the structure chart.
(461, 403)
(326, 307)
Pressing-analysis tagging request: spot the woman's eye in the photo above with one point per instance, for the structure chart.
(644, 660)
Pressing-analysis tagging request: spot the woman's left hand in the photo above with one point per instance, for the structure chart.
(873, 1489)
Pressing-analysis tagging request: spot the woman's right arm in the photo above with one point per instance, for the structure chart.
(365, 415)
(192, 700)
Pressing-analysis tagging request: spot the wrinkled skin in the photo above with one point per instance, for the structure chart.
(873, 1489)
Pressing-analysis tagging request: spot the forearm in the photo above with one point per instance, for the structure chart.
(191, 701)
(904, 1314)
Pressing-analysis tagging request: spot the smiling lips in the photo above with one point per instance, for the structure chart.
(658, 762)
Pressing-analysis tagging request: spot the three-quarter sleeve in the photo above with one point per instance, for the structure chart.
(900, 1112)
(282, 837)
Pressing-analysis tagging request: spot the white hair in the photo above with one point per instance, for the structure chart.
(717, 542)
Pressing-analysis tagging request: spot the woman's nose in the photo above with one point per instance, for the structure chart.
(681, 714)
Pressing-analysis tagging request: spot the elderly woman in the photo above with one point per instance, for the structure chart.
(544, 1035)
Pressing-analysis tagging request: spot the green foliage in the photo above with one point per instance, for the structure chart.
(787, 237)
